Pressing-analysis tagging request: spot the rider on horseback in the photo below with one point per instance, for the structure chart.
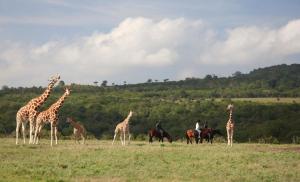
(159, 128)
(205, 124)
(198, 129)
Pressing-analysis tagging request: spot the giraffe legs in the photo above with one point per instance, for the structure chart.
(121, 138)
(55, 133)
(114, 138)
(228, 136)
(124, 134)
(17, 131)
(31, 126)
(19, 122)
(231, 137)
(129, 136)
(35, 140)
(51, 133)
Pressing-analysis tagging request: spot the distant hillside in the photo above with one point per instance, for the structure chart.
(177, 104)
(275, 81)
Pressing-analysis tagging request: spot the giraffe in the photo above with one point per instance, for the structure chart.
(78, 131)
(50, 116)
(230, 125)
(122, 128)
(29, 111)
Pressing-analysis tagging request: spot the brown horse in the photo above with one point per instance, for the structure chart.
(208, 134)
(154, 133)
(190, 135)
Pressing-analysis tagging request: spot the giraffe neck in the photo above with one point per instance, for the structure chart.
(230, 115)
(42, 98)
(73, 123)
(59, 103)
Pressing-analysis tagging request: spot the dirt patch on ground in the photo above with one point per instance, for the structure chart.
(287, 149)
(279, 149)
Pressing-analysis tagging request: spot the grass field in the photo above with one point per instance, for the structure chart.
(140, 161)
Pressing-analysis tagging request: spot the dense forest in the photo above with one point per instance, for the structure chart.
(177, 104)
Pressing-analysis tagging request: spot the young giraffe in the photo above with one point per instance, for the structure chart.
(78, 131)
(50, 116)
(122, 128)
(230, 125)
(29, 111)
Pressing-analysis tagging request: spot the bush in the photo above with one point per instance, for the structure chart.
(269, 140)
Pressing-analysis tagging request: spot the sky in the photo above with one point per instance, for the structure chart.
(121, 40)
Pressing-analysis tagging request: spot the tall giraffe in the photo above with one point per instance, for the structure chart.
(78, 131)
(122, 128)
(29, 111)
(50, 116)
(230, 125)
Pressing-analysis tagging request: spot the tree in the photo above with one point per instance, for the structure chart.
(237, 74)
(149, 80)
(166, 80)
(96, 83)
(104, 83)
(61, 83)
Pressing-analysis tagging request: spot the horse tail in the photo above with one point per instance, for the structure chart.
(187, 137)
(150, 134)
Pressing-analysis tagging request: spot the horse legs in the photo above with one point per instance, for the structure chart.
(187, 139)
(83, 138)
(150, 139)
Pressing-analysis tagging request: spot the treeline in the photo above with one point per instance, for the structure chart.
(178, 105)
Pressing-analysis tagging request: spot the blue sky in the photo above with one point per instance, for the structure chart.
(132, 41)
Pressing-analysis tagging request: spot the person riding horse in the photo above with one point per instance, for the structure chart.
(205, 125)
(159, 128)
(198, 129)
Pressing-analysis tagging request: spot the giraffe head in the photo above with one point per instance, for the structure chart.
(230, 107)
(54, 79)
(130, 113)
(69, 120)
(67, 91)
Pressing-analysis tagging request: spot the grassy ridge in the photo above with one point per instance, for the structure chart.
(140, 161)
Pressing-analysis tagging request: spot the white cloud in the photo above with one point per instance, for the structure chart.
(142, 45)
(139, 43)
(250, 45)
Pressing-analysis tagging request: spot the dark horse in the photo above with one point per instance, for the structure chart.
(208, 134)
(154, 133)
(190, 134)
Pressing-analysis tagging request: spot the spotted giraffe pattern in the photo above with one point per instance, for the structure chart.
(230, 125)
(50, 116)
(123, 128)
(29, 111)
(78, 130)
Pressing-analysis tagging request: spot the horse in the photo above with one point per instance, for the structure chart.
(154, 133)
(190, 134)
(208, 134)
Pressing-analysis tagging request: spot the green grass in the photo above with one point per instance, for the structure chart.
(140, 161)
